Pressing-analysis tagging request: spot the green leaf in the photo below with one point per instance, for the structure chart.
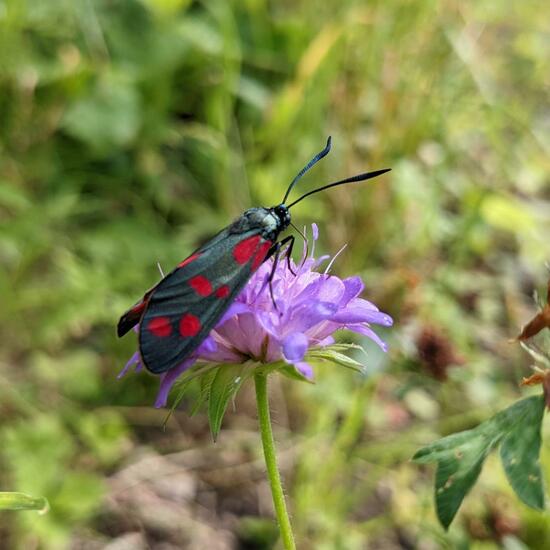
(334, 356)
(460, 457)
(519, 453)
(108, 117)
(224, 386)
(22, 501)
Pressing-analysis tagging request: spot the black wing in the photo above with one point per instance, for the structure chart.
(184, 307)
(132, 317)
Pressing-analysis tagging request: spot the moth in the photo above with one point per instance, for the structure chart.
(176, 315)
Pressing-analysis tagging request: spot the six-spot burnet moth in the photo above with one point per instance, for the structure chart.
(176, 315)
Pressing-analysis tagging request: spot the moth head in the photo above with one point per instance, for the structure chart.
(283, 214)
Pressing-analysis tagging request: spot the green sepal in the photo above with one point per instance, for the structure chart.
(224, 386)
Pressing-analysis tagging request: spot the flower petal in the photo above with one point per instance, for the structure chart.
(168, 379)
(360, 302)
(308, 315)
(319, 261)
(254, 332)
(305, 369)
(232, 333)
(315, 231)
(328, 341)
(234, 309)
(134, 360)
(366, 331)
(208, 346)
(360, 314)
(295, 346)
(326, 289)
(224, 353)
(268, 321)
(353, 287)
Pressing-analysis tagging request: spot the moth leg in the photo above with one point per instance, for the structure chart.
(305, 241)
(273, 251)
(290, 239)
(277, 247)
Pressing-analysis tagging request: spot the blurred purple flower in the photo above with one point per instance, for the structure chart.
(311, 306)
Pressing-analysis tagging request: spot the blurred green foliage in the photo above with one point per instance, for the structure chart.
(130, 131)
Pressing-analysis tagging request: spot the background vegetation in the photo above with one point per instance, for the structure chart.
(130, 131)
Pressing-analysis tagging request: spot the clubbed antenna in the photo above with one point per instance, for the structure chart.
(313, 161)
(353, 179)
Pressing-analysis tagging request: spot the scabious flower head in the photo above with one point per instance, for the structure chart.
(310, 307)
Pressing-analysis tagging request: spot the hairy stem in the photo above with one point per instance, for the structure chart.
(283, 520)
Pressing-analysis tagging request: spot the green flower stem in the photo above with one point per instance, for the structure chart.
(283, 520)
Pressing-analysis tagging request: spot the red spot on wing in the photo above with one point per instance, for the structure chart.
(223, 291)
(189, 325)
(246, 249)
(201, 285)
(188, 260)
(261, 254)
(160, 326)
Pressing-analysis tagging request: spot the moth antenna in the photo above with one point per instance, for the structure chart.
(313, 161)
(353, 179)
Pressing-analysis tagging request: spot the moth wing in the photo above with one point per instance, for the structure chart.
(184, 307)
(132, 317)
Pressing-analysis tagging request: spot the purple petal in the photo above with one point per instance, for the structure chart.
(224, 353)
(366, 331)
(295, 346)
(328, 341)
(254, 333)
(315, 231)
(353, 287)
(208, 346)
(168, 379)
(319, 261)
(330, 289)
(231, 332)
(325, 289)
(308, 315)
(134, 360)
(358, 314)
(268, 321)
(304, 249)
(305, 369)
(235, 308)
(360, 302)
(314, 237)
(273, 352)
(322, 330)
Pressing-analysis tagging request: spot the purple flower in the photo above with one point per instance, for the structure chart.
(311, 306)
